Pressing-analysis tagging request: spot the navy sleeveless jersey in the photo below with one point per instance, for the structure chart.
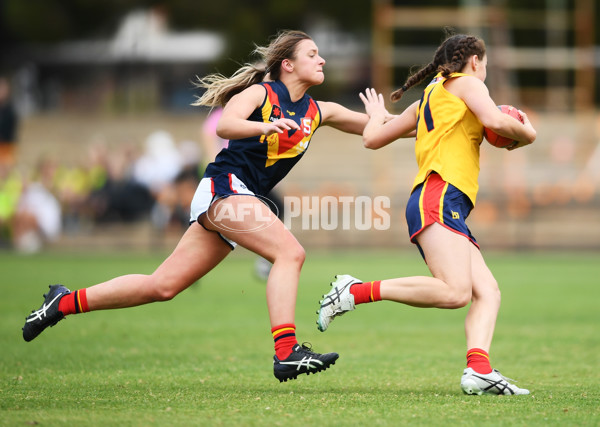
(262, 161)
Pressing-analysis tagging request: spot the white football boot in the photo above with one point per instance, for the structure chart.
(338, 301)
(493, 383)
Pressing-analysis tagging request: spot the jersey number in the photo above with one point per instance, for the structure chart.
(306, 125)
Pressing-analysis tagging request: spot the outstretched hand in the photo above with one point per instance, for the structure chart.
(280, 126)
(373, 102)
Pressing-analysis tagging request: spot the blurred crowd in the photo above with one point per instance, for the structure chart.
(155, 183)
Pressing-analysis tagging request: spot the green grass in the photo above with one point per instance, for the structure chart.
(205, 358)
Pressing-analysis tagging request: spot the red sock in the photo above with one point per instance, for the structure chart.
(479, 361)
(74, 302)
(366, 292)
(285, 339)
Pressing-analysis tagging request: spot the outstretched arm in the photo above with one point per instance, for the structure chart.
(342, 118)
(380, 130)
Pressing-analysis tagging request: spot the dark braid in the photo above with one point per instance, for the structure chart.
(450, 57)
(416, 78)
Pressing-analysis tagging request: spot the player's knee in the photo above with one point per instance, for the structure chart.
(459, 295)
(292, 253)
(459, 299)
(297, 255)
(490, 293)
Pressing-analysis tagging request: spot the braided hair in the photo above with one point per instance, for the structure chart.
(452, 55)
(220, 89)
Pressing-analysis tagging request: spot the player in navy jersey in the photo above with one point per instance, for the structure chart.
(269, 120)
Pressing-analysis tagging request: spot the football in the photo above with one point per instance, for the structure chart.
(502, 141)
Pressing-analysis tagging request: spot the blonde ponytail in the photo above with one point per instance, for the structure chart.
(220, 89)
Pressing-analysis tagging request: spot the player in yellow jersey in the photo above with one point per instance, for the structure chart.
(448, 123)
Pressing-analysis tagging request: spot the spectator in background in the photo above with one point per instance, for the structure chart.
(171, 211)
(117, 196)
(186, 182)
(212, 143)
(11, 183)
(8, 126)
(156, 170)
(38, 217)
(159, 164)
(11, 186)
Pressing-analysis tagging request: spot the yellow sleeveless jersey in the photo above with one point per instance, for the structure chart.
(448, 138)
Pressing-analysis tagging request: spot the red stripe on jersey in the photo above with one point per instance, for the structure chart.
(273, 100)
(289, 142)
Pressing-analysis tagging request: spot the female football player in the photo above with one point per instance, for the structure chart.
(449, 121)
(269, 119)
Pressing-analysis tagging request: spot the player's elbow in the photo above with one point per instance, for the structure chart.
(222, 131)
(165, 294)
(370, 143)
(496, 126)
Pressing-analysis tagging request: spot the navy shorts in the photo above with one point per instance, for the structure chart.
(435, 200)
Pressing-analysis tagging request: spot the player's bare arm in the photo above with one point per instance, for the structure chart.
(381, 130)
(234, 123)
(342, 118)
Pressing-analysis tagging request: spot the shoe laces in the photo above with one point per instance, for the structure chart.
(306, 347)
(505, 378)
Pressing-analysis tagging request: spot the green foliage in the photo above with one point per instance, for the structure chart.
(205, 357)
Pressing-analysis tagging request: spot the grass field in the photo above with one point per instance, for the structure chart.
(205, 358)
